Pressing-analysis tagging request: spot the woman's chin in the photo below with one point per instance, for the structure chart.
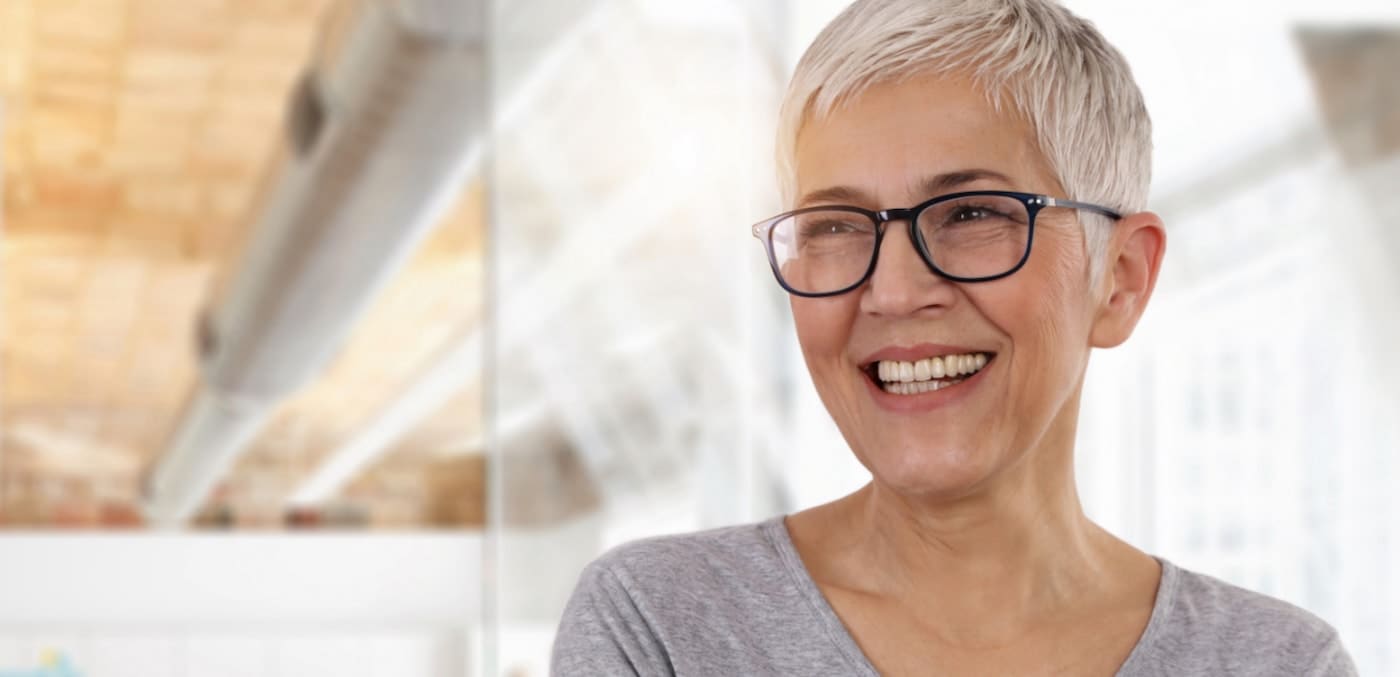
(941, 475)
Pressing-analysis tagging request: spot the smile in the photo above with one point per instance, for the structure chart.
(926, 375)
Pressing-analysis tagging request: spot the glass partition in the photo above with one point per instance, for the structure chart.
(631, 307)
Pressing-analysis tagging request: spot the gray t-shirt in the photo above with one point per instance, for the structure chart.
(738, 601)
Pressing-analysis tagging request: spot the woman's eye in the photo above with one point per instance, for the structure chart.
(830, 228)
(972, 214)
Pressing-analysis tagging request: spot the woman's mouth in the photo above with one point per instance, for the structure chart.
(926, 375)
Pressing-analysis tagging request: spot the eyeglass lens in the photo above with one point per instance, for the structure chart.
(977, 236)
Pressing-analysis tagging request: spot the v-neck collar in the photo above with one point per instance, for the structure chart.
(776, 531)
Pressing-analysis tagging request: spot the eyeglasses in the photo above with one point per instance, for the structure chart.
(974, 236)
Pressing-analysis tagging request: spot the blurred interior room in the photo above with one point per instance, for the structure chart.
(337, 336)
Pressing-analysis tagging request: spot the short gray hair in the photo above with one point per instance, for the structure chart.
(1054, 68)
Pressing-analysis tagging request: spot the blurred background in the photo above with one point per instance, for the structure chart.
(336, 337)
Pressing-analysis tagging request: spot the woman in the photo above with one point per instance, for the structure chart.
(967, 181)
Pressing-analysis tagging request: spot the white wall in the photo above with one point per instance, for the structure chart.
(187, 605)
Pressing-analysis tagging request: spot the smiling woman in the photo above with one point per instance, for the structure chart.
(950, 350)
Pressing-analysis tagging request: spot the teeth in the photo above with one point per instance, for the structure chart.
(909, 378)
(916, 387)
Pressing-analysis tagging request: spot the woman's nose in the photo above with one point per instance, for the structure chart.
(902, 283)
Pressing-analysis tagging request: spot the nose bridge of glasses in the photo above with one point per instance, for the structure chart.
(887, 215)
(884, 240)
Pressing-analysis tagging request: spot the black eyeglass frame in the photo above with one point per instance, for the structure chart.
(763, 230)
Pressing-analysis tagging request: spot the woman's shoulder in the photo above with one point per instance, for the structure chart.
(718, 602)
(727, 554)
(1209, 600)
(1203, 625)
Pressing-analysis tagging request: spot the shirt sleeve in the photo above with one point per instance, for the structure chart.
(604, 631)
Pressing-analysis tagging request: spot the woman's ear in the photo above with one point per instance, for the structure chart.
(1130, 273)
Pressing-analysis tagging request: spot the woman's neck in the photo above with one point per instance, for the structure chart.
(987, 566)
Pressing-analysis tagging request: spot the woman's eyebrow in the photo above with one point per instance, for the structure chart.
(841, 194)
(934, 185)
(950, 181)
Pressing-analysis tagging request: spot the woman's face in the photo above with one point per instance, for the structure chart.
(896, 146)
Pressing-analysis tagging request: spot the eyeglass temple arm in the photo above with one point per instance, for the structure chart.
(1072, 204)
